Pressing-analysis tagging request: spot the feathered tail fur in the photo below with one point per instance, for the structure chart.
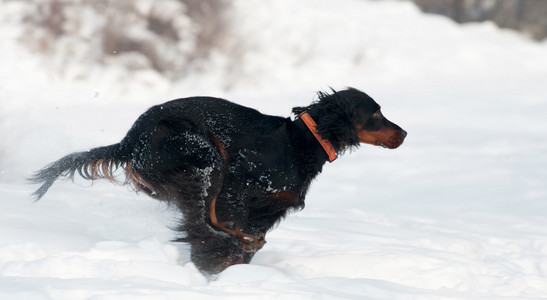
(96, 163)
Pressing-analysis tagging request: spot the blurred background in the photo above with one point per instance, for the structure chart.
(178, 38)
(525, 16)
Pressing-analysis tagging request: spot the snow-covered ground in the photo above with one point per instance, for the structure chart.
(459, 211)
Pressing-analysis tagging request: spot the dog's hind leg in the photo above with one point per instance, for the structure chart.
(185, 167)
(214, 250)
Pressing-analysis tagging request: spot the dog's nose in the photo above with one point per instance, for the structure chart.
(403, 132)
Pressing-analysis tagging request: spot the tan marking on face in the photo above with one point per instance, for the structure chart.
(390, 138)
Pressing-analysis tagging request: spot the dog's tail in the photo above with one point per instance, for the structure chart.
(96, 163)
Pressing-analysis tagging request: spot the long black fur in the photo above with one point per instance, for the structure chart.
(254, 168)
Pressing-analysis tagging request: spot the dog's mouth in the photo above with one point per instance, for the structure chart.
(391, 145)
(392, 142)
(381, 144)
(389, 139)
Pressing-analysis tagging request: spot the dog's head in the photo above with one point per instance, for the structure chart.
(349, 117)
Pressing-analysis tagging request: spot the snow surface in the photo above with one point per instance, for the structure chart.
(457, 212)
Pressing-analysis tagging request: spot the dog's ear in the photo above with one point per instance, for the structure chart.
(335, 117)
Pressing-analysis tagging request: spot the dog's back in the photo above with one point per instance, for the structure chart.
(161, 141)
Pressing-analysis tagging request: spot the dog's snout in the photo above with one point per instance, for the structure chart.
(403, 133)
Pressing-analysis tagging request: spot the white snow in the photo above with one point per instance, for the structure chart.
(459, 211)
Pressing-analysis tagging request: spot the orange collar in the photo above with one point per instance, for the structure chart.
(313, 128)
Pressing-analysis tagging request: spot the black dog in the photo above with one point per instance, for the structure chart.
(232, 171)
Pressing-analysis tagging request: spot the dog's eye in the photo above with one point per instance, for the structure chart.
(377, 114)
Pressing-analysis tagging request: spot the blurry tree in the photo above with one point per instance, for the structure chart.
(527, 16)
(170, 36)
